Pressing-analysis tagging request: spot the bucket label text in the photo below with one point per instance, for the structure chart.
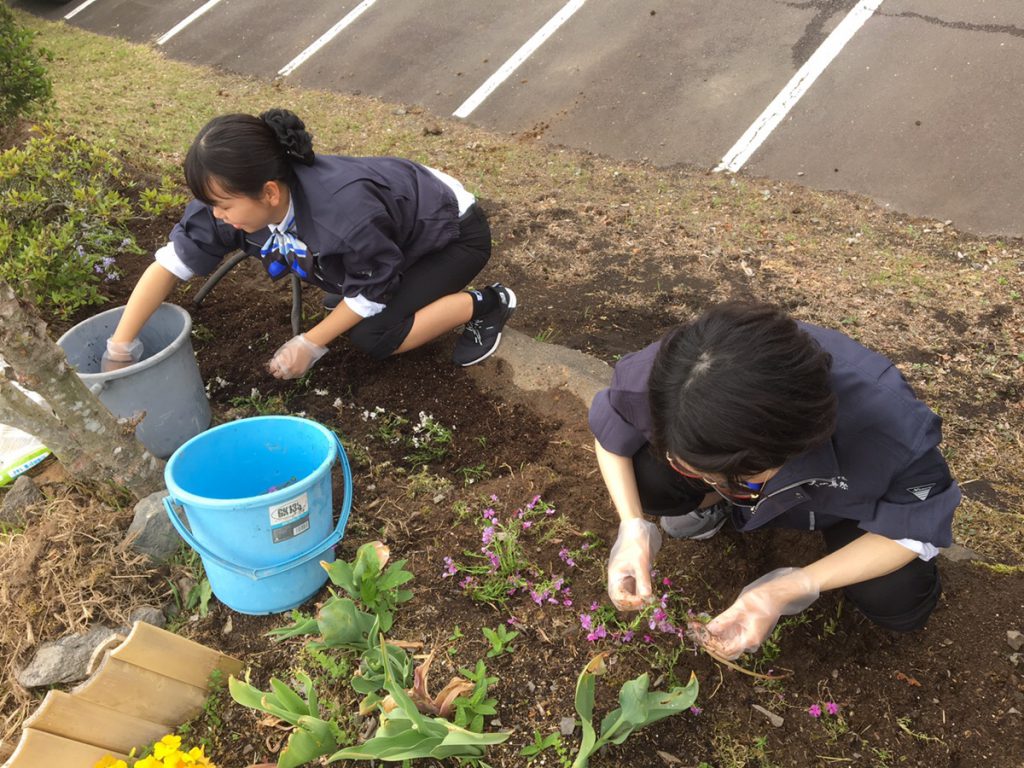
(289, 519)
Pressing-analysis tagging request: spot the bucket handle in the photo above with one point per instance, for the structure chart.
(300, 559)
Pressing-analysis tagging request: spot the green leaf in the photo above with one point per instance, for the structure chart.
(310, 740)
(288, 698)
(342, 624)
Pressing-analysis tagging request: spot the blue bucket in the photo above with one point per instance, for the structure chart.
(257, 496)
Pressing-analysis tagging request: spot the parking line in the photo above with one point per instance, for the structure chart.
(187, 20)
(518, 58)
(804, 78)
(79, 9)
(325, 38)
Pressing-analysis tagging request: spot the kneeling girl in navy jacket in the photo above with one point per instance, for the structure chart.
(395, 242)
(746, 416)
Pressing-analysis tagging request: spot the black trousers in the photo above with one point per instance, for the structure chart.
(901, 601)
(436, 274)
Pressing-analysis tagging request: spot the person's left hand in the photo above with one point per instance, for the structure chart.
(295, 357)
(744, 625)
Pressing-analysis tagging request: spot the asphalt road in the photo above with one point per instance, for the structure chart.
(920, 109)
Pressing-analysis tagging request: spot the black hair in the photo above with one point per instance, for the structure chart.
(241, 153)
(739, 390)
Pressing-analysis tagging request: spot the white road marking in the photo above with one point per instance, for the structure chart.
(79, 9)
(774, 113)
(518, 58)
(325, 38)
(186, 21)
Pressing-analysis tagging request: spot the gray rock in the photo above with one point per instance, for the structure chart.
(1015, 639)
(151, 533)
(567, 726)
(958, 553)
(65, 660)
(150, 615)
(19, 500)
(774, 719)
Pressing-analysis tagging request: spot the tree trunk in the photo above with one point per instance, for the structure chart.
(86, 437)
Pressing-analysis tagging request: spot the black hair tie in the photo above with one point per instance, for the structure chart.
(291, 134)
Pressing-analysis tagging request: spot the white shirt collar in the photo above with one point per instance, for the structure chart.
(287, 217)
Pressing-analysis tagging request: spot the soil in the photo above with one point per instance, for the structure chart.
(948, 695)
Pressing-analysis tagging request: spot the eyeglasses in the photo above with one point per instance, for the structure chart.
(750, 492)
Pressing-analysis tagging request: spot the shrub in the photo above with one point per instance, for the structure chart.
(63, 221)
(24, 86)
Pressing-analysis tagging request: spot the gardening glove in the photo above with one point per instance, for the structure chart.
(629, 565)
(295, 357)
(744, 625)
(120, 354)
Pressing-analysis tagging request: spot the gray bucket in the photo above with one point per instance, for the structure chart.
(165, 383)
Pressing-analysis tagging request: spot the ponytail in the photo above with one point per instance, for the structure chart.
(241, 153)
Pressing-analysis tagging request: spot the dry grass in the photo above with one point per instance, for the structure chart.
(65, 571)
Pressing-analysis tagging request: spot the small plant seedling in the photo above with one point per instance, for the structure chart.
(405, 735)
(367, 581)
(500, 640)
(637, 707)
(312, 736)
(470, 710)
(541, 743)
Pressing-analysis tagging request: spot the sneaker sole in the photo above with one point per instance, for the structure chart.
(700, 536)
(509, 311)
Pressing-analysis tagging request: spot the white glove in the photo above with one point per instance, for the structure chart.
(629, 564)
(295, 357)
(120, 354)
(744, 625)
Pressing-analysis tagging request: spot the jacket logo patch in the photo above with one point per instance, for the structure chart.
(921, 491)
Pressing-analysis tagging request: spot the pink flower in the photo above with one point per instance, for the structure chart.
(695, 710)
(494, 497)
(627, 636)
(566, 557)
(527, 524)
(598, 634)
(533, 503)
(450, 569)
(489, 514)
(832, 708)
(488, 535)
(586, 621)
(594, 606)
(666, 582)
(466, 582)
(567, 603)
(814, 710)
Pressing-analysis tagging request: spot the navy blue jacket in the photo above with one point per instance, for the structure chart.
(365, 221)
(882, 466)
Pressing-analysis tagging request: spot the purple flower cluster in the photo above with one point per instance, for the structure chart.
(830, 706)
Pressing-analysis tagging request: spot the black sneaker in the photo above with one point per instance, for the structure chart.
(481, 337)
(332, 300)
(699, 525)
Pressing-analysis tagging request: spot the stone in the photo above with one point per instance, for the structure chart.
(774, 719)
(19, 500)
(151, 533)
(150, 615)
(958, 553)
(65, 660)
(1015, 639)
(566, 726)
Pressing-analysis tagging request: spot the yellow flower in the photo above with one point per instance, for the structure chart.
(109, 761)
(149, 762)
(168, 745)
(199, 758)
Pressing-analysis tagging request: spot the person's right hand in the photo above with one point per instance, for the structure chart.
(120, 354)
(629, 564)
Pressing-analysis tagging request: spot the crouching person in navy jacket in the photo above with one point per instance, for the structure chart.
(746, 416)
(392, 242)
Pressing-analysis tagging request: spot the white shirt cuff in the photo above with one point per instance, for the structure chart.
(363, 306)
(168, 258)
(924, 550)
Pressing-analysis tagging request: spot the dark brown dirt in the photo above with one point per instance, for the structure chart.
(948, 695)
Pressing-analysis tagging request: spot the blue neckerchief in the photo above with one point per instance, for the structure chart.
(288, 245)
